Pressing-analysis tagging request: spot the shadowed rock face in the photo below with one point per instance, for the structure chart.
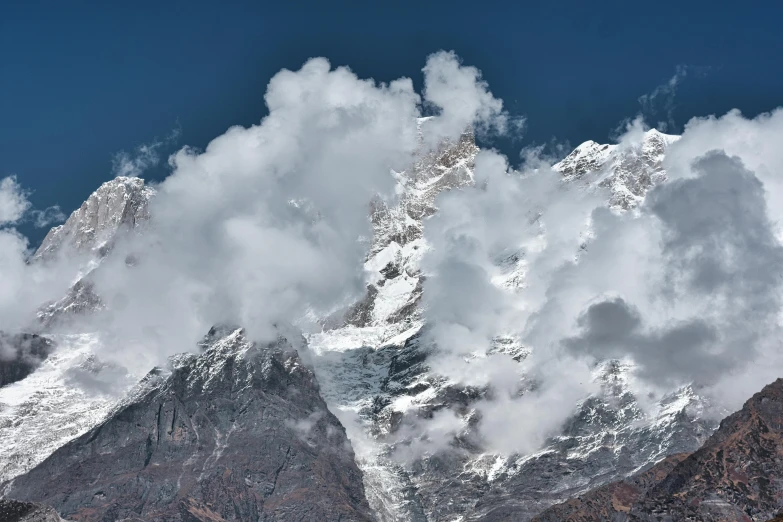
(736, 475)
(239, 432)
(14, 511)
(21, 354)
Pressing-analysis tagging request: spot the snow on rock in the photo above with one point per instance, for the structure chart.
(627, 170)
(374, 372)
(67, 395)
(372, 367)
(119, 203)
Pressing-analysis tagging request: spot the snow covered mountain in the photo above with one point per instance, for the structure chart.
(628, 170)
(372, 363)
(731, 477)
(375, 369)
(121, 203)
(69, 393)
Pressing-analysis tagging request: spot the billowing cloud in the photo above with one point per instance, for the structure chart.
(686, 287)
(268, 227)
(462, 99)
(23, 287)
(13, 201)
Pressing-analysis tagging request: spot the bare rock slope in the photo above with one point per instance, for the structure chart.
(239, 432)
(736, 475)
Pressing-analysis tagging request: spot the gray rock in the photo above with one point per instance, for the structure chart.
(239, 432)
(119, 204)
(15, 511)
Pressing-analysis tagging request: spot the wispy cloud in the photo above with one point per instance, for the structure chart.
(660, 102)
(145, 156)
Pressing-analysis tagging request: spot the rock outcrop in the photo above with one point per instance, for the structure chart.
(627, 170)
(239, 432)
(21, 354)
(15, 511)
(117, 205)
(736, 475)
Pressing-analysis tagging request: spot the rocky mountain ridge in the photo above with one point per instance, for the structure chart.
(628, 170)
(735, 475)
(117, 205)
(377, 368)
(372, 364)
(239, 432)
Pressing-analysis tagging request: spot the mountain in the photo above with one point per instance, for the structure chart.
(371, 363)
(238, 432)
(628, 170)
(375, 368)
(119, 204)
(14, 511)
(70, 392)
(736, 475)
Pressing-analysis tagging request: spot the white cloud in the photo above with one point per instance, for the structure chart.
(23, 287)
(687, 286)
(143, 157)
(13, 201)
(262, 229)
(463, 98)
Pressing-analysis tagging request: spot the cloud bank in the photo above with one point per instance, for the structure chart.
(686, 287)
(268, 227)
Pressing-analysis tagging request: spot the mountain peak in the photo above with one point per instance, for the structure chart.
(119, 203)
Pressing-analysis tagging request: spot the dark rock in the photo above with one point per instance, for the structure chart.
(20, 354)
(15, 511)
(238, 433)
(736, 475)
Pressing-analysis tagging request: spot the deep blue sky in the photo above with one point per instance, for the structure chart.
(81, 81)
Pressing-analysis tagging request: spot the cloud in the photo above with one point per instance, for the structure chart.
(264, 227)
(15, 206)
(23, 287)
(46, 217)
(13, 201)
(462, 100)
(269, 226)
(686, 287)
(612, 329)
(511, 224)
(661, 100)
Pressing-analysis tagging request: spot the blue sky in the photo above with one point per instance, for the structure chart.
(82, 81)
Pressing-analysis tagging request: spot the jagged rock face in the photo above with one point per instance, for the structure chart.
(14, 511)
(736, 475)
(117, 204)
(627, 171)
(389, 383)
(609, 436)
(610, 501)
(239, 432)
(80, 301)
(393, 294)
(21, 354)
(372, 361)
(449, 166)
